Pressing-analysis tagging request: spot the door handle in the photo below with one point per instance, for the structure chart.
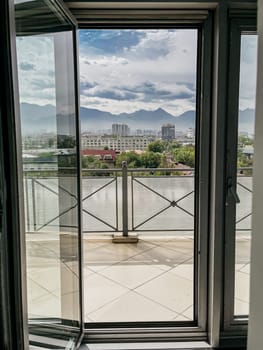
(231, 191)
(235, 195)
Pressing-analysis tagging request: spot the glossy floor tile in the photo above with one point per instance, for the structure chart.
(156, 273)
(149, 281)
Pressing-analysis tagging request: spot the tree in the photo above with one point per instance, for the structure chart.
(185, 155)
(67, 161)
(244, 161)
(51, 142)
(151, 159)
(65, 141)
(173, 145)
(157, 146)
(91, 162)
(87, 162)
(133, 159)
(245, 141)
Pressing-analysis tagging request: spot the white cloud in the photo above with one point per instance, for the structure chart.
(248, 72)
(36, 71)
(105, 61)
(165, 58)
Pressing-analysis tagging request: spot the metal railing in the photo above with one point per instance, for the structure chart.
(169, 199)
(243, 174)
(123, 202)
(111, 176)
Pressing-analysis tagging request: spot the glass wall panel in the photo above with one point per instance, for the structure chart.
(50, 164)
(246, 122)
(138, 120)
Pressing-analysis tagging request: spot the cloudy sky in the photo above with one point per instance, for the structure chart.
(36, 67)
(127, 70)
(248, 72)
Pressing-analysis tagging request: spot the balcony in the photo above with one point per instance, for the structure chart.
(150, 280)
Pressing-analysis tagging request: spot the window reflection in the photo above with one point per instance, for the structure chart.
(245, 153)
(50, 167)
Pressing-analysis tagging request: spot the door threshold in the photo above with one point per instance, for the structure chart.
(148, 346)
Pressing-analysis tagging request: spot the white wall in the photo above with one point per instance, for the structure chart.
(255, 328)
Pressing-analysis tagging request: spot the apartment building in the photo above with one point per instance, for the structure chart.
(120, 130)
(116, 143)
(168, 132)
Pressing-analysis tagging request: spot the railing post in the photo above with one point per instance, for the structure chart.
(27, 203)
(124, 199)
(34, 205)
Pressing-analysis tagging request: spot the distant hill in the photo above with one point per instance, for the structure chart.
(36, 118)
(93, 119)
(247, 120)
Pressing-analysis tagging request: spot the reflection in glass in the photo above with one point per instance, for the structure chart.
(50, 170)
(247, 94)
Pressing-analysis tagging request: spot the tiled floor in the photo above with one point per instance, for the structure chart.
(148, 281)
(242, 274)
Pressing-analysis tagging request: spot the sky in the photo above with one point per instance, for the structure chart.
(248, 71)
(128, 70)
(36, 70)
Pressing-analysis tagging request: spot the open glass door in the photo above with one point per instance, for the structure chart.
(138, 150)
(241, 118)
(51, 173)
(145, 136)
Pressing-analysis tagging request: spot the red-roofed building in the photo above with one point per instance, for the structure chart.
(101, 154)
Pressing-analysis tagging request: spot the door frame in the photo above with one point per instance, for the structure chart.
(238, 25)
(129, 331)
(13, 280)
(12, 246)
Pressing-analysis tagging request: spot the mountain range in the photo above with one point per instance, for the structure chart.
(141, 119)
(37, 118)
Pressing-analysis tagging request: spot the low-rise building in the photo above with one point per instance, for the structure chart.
(102, 154)
(117, 143)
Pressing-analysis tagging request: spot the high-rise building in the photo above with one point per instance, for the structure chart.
(120, 130)
(190, 134)
(168, 132)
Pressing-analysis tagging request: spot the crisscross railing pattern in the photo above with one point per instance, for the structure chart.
(117, 178)
(248, 190)
(172, 203)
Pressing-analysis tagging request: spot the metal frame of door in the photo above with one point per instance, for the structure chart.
(238, 25)
(13, 316)
(12, 246)
(197, 329)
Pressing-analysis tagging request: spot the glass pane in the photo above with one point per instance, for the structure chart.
(138, 105)
(246, 125)
(50, 167)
